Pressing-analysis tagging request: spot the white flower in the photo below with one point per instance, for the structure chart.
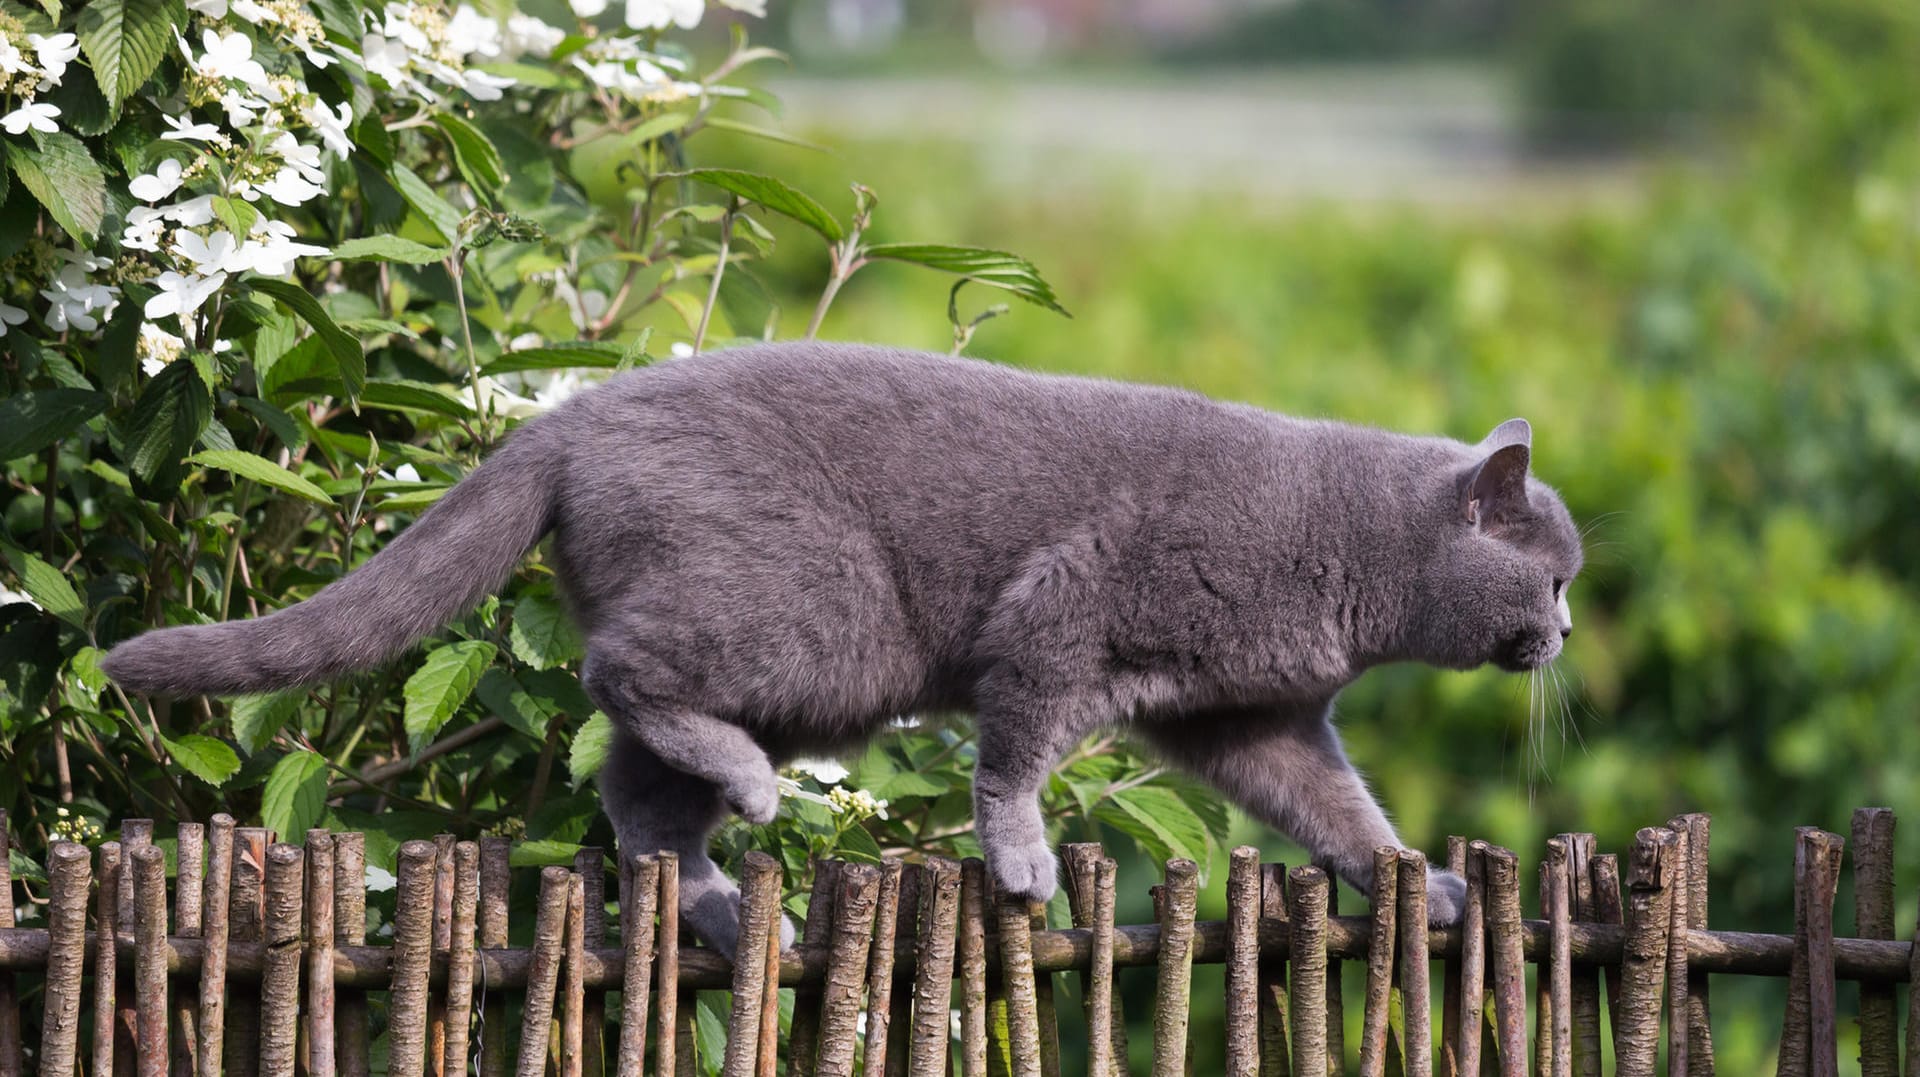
(304, 160)
(288, 188)
(680, 349)
(659, 14)
(213, 252)
(12, 60)
(470, 33)
(87, 261)
(386, 58)
(822, 770)
(251, 11)
(192, 213)
(53, 54)
(159, 183)
(756, 8)
(212, 9)
(182, 293)
(274, 257)
(587, 9)
(241, 109)
(528, 34)
(229, 57)
(188, 131)
(481, 86)
(72, 301)
(144, 226)
(330, 126)
(406, 473)
(399, 24)
(9, 316)
(37, 116)
(8, 598)
(157, 348)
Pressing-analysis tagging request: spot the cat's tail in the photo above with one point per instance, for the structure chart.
(459, 551)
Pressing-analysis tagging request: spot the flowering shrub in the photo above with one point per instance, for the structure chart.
(273, 276)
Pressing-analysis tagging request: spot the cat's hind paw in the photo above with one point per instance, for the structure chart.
(1028, 871)
(1446, 898)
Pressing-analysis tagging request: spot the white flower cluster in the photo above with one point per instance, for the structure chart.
(30, 65)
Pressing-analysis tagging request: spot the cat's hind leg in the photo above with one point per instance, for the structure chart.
(657, 808)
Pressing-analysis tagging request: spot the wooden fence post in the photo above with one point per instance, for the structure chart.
(1509, 965)
(1558, 969)
(854, 907)
(106, 921)
(1636, 1017)
(280, 980)
(973, 967)
(188, 894)
(149, 873)
(1307, 969)
(1415, 973)
(759, 892)
(1173, 994)
(321, 1060)
(69, 872)
(636, 942)
(1473, 961)
(543, 975)
(353, 1035)
(1873, 919)
(1243, 966)
(1384, 907)
(466, 906)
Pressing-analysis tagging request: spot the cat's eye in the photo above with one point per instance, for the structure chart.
(1557, 585)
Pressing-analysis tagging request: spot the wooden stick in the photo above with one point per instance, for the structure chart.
(1796, 1022)
(930, 1038)
(190, 842)
(1679, 885)
(759, 890)
(573, 995)
(1873, 919)
(280, 982)
(549, 934)
(1243, 966)
(495, 879)
(636, 942)
(667, 972)
(1473, 961)
(1559, 973)
(1823, 877)
(1501, 873)
(1276, 1059)
(886, 927)
(149, 872)
(442, 942)
(770, 993)
(1415, 976)
(1384, 908)
(352, 1036)
(466, 905)
(412, 961)
(1608, 910)
(134, 834)
(1016, 977)
(590, 863)
(69, 873)
(1636, 1024)
(1307, 969)
(1698, 826)
(854, 906)
(106, 920)
(1450, 976)
(1336, 990)
(1174, 989)
(1082, 861)
(803, 1036)
(320, 932)
(1102, 999)
(1913, 1007)
(685, 1064)
(216, 925)
(1584, 994)
(246, 912)
(12, 1053)
(973, 967)
(906, 927)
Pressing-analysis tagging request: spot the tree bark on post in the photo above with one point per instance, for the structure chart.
(1016, 978)
(1415, 983)
(590, 863)
(1276, 1056)
(352, 1035)
(1559, 970)
(280, 981)
(1450, 976)
(1083, 861)
(1502, 876)
(973, 967)
(854, 906)
(803, 1034)
(1174, 989)
(1307, 969)
(495, 878)
(106, 924)
(1698, 828)
(216, 913)
(1585, 986)
(1643, 968)
(320, 1042)
(759, 892)
(412, 960)
(1873, 919)
(189, 891)
(636, 943)
(466, 905)
(1243, 966)
(666, 1051)
(1381, 939)
(543, 976)
(886, 927)
(149, 872)
(573, 994)
(247, 911)
(1473, 960)
(69, 872)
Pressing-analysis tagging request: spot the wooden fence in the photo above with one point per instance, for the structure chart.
(263, 967)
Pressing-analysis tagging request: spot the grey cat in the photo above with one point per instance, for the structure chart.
(773, 551)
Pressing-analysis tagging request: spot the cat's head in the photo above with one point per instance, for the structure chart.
(1495, 588)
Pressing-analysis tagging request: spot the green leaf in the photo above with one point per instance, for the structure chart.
(257, 718)
(437, 211)
(167, 420)
(263, 471)
(1158, 819)
(45, 585)
(563, 356)
(389, 248)
(589, 751)
(473, 153)
(541, 634)
(125, 40)
(413, 500)
(236, 214)
(721, 123)
(440, 685)
(338, 342)
(996, 269)
(663, 124)
(296, 793)
(33, 420)
(773, 194)
(65, 178)
(857, 844)
(540, 854)
(401, 395)
(212, 761)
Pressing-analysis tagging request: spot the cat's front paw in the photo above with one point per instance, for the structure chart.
(1446, 897)
(757, 801)
(1027, 871)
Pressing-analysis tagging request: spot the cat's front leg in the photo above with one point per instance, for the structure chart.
(1289, 771)
(1020, 741)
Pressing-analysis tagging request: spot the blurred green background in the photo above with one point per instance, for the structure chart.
(1680, 239)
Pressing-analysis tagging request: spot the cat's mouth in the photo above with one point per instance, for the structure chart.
(1526, 652)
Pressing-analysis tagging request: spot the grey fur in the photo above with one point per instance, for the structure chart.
(773, 551)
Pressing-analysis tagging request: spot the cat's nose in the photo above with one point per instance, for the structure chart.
(1567, 631)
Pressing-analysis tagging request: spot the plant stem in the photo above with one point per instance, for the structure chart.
(48, 515)
(719, 268)
(233, 546)
(457, 269)
(842, 269)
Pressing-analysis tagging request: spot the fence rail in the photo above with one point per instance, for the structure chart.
(262, 965)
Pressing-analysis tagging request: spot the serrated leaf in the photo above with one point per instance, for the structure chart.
(65, 179)
(47, 587)
(167, 419)
(347, 356)
(413, 396)
(590, 745)
(212, 761)
(563, 356)
(996, 269)
(437, 211)
(389, 248)
(1158, 819)
(256, 719)
(263, 471)
(540, 854)
(440, 685)
(33, 420)
(125, 40)
(473, 153)
(773, 194)
(541, 634)
(296, 794)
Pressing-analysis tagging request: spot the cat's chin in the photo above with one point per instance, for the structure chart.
(1524, 655)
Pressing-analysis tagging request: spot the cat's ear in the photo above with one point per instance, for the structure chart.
(1511, 432)
(1497, 485)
